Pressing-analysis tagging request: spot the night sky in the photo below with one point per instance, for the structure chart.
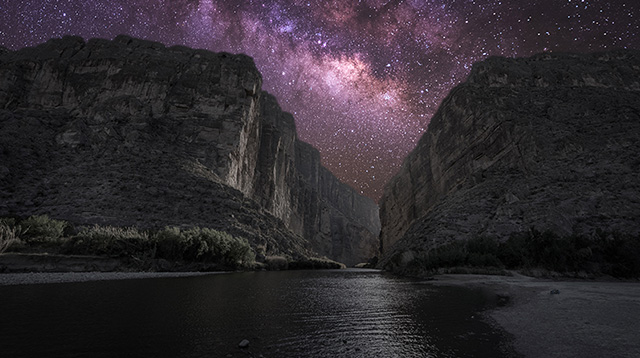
(362, 78)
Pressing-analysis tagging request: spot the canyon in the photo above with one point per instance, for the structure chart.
(546, 143)
(130, 132)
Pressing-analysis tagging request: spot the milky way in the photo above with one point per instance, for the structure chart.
(362, 78)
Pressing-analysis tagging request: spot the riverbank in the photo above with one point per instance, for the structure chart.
(10, 279)
(51, 262)
(20, 262)
(586, 318)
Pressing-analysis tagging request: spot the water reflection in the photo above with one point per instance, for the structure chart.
(345, 313)
(355, 315)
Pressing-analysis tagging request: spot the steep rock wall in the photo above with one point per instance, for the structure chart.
(338, 213)
(548, 142)
(291, 183)
(130, 132)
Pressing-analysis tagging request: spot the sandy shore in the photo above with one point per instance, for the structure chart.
(585, 319)
(61, 277)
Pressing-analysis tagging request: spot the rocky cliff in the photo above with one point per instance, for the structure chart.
(129, 132)
(549, 142)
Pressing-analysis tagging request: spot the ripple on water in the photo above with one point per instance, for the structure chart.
(283, 314)
(360, 315)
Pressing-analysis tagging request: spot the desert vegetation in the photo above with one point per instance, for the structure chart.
(314, 263)
(199, 245)
(604, 253)
(8, 236)
(41, 229)
(169, 248)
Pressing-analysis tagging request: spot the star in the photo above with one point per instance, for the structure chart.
(362, 78)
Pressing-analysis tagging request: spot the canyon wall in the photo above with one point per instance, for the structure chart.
(130, 132)
(548, 142)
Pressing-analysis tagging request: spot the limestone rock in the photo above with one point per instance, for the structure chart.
(549, 141)
(130, 132)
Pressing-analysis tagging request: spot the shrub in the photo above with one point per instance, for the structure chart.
(483, 260)
(110, 241)
(451, 254)
(42, 229)
(10, 222)
(606, 253)
(170, 243)
(276, 263)
(203, 245)
(513, 252)
(8, 236)
(483, 245)
(314, 263)
(621, 255)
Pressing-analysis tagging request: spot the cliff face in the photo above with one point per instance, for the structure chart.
(291, 183)
(129, 132)
(549, 142)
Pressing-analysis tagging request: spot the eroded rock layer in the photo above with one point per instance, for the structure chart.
(550, 142)
(129, 132)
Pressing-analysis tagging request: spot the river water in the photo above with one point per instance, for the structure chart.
(333, 313)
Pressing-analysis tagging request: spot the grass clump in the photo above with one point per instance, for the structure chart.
(108, 241)
(42, 229)
(8, 236)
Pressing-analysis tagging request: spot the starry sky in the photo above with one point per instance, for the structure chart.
(362, 78)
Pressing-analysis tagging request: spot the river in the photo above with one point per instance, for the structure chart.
(332, 313)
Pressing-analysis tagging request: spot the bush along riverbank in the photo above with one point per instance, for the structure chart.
(534, 253)
(39, 243)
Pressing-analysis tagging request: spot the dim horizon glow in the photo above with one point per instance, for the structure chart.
(362, 78)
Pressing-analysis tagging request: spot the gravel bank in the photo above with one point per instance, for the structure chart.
(61, 277)
(585, 319)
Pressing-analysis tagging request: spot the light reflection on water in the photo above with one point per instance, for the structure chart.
(343, 313)
(358, 314)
